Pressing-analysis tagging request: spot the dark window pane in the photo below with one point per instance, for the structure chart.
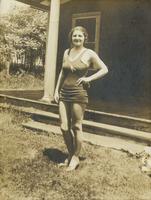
(90, 25)
(90, 45)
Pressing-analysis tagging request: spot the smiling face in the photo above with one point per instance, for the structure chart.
(78, 38)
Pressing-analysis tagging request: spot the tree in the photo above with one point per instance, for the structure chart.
(23, 36)
(6, 45)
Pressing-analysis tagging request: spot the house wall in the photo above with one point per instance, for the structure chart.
(125, 46)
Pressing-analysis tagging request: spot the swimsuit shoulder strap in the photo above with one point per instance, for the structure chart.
(83, 52)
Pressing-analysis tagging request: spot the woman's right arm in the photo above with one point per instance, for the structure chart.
(59, 85)
(60, 80)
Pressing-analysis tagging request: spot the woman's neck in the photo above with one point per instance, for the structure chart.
(78, 48)
(76, 51)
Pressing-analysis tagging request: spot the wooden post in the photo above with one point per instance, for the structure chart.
(51, 51)
(0, 6)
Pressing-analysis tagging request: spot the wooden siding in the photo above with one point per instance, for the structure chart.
(125, 44)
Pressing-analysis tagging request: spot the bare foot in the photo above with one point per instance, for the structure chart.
(74, 163)
(64, 164)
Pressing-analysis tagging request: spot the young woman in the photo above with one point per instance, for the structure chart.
(71, 93)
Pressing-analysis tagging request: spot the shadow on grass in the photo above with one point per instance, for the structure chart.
(55, 155)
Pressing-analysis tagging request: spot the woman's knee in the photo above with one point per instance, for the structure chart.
(77, 126)
(64, 127)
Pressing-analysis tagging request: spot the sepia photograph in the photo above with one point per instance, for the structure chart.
(75, 100)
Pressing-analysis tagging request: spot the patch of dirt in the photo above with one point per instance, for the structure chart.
(29, 168)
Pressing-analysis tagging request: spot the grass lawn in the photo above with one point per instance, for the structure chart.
(26, 81)
(29, 168)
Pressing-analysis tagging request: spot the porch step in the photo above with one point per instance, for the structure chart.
(105, 141)
(113, 131)
(88, 126)
(23, 93)
(130, 122)
(97, 128)
(24, 102)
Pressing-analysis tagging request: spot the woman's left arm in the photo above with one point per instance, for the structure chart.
(98, 65)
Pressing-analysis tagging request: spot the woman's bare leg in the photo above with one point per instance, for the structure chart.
(65, 119)
(77, 117)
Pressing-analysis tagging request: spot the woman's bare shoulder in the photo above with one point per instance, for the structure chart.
(91, 52)
(66, 53)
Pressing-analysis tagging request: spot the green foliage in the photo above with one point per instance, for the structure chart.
(23, 36)
(6, 41)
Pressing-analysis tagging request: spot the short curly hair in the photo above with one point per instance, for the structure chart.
(79, 28)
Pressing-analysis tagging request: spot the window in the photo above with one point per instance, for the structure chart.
(91, 21)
